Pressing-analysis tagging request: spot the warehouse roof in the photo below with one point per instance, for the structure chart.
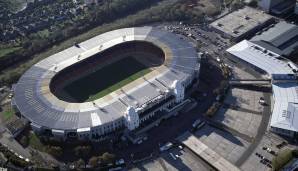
(285, 111)
(241, 21)
(281, 38)
(268, 61)
(285, 93)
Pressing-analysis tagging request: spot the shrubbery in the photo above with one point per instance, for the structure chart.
(56, 151)
(82, 151)
(104, 159)
(13, 158)
(283, 158)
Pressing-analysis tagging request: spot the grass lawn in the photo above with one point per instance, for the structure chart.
(35, 142)
(6, 51)
(282, 159)
(8, 114)
(119, 84)
(106, 79)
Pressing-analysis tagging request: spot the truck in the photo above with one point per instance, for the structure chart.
(197, 124)
(165, 147)
(120, 162)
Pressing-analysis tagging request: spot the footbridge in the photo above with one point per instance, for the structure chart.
(250, 82)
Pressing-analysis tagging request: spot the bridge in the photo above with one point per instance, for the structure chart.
(250, 82)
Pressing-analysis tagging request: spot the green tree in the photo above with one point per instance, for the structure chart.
(24, 141)
(93, 161)
(108, 158)
(56, 151)
(80, 163)
(83, 151)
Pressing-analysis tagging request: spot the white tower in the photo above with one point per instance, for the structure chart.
(178, 90)
(132, 120)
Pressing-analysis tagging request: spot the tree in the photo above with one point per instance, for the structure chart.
(24, 141)
(82, 151)
(93, 161)
(80, 163)
(56, 151)
(282, 158)
(253, 3)
(108, 158)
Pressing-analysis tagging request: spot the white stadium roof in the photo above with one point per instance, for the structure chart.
(43, 109)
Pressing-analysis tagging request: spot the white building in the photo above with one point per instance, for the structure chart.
(283, 74)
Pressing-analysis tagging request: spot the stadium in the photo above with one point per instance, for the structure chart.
(112, 82)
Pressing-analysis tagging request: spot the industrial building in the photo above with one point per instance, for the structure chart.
(242, 23)
(283, 75)
(152, 95)
(278, 7)
(281, 38)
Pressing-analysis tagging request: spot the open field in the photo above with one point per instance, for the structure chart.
(14, 5)
(35, 142)
(8, 114)
(6, 51)
(106, 79)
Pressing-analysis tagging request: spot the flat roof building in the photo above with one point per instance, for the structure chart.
(283, 74)
(281, 38)
(241, 23)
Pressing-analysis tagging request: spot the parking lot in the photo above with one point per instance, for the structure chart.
(255, 162)
(201, 35)
(185, 160)
(225, 144)
(240, 128)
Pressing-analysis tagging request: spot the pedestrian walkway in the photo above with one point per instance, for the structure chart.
(11, 143)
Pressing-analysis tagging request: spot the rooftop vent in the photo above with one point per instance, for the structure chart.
(219, 25)
(236, 32)
(286, 114)
(77, 45)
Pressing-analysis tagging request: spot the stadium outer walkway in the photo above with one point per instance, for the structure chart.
(206, 153)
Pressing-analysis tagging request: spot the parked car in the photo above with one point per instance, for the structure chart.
(173, 157)
(197, 124)
(165, 147)
(120, 162)
(262, 101)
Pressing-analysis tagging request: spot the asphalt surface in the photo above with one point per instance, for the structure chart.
(262, 128)
(168, 130)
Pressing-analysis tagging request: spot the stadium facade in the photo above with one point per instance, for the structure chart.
(126, 108)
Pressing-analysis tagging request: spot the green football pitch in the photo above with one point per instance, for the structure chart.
(106, 80)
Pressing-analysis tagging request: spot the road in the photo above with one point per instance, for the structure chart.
(263, 126)
(11, 143)
(173, 127)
